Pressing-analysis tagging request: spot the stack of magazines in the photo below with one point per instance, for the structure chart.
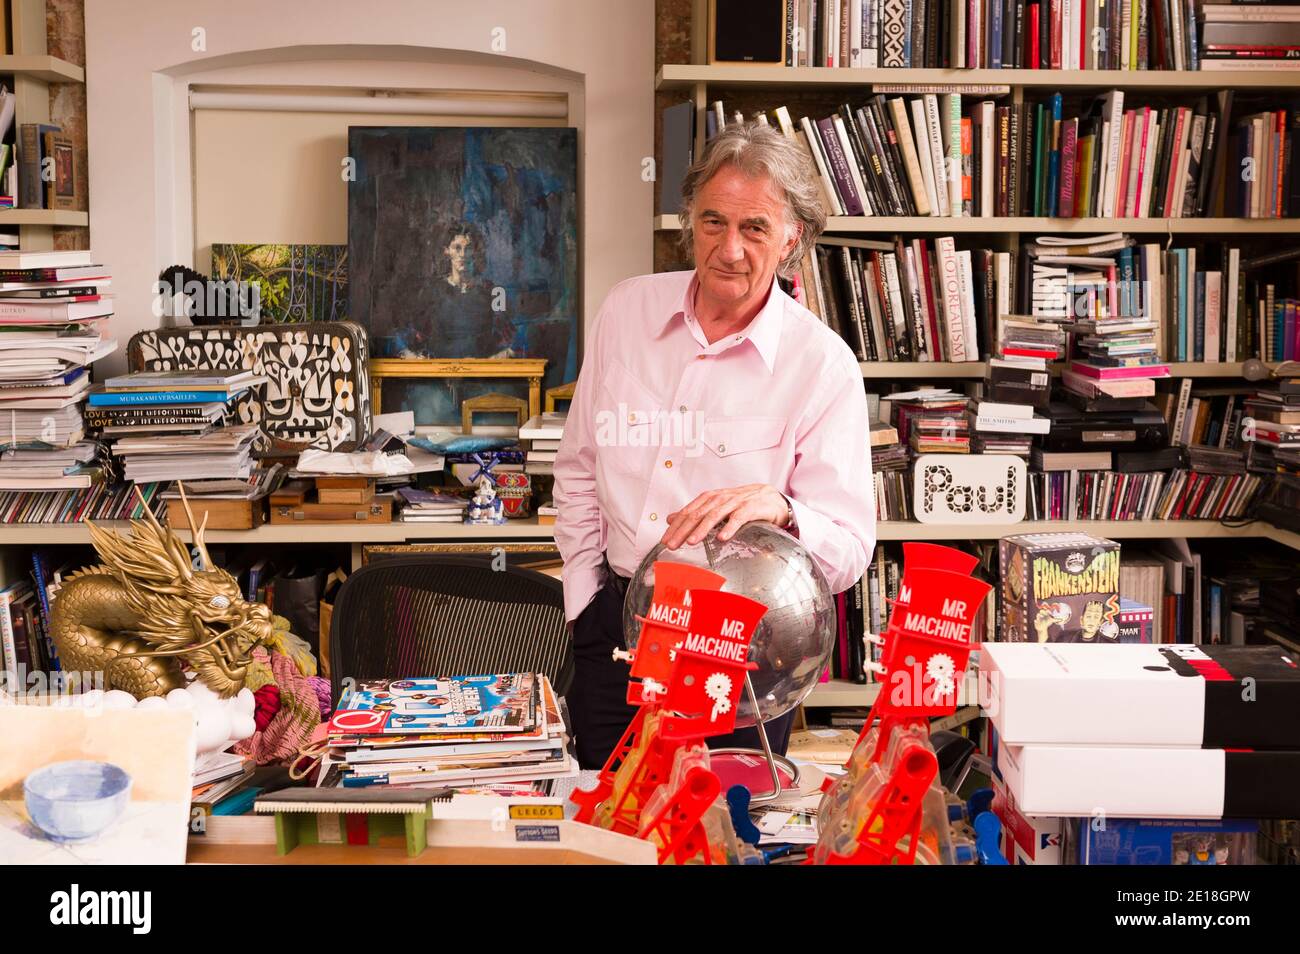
(458, 732)
(425, 506)
(53, 325)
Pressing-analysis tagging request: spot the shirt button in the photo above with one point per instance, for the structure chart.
(722, 448)
(631, 418)
(668, 464)
(682, 409)
(654, 516)
(700, 357)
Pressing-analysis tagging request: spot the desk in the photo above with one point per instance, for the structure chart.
(200, 854)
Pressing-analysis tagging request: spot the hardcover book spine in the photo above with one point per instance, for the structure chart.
(1004, 160)
(1013, 159)
(951, 286)
(911, 163)
(934, 129)
(902, 337)
(839, 167)
(892, 38)
(1069, 149)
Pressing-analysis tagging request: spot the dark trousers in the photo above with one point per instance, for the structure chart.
(598, 697)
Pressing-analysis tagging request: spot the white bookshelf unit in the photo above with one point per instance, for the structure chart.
(703, 84)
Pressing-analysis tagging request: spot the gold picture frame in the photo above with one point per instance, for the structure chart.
(531, 369)
(562, 392)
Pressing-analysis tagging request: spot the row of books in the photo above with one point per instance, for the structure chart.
(25, 644)
(917, 300)
(933, 155)
(924, 300)
(99, 501)
(1201, 304)
(1109, 161)
(863, 610)
(1106, 495)
(992, 34)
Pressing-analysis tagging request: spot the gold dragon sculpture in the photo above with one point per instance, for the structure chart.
(145, 609)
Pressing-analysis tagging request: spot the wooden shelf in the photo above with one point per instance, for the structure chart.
(891, 530)
(841, 692)
(680, 76)
(887, 370)
(51, 69)
(908, 370)
(36, 534)
(928, 224)
(42, 217)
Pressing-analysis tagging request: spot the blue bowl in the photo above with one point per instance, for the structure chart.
(76, 800)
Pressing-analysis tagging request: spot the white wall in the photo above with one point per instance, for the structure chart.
(140, 63)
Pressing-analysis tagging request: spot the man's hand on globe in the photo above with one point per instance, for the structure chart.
(733, 507)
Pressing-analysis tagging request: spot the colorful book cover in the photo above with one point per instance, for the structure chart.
(503, 702)
(1060, 588)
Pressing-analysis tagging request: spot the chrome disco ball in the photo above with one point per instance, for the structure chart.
(796, 635)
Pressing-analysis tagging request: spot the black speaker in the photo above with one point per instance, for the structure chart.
(747, 31)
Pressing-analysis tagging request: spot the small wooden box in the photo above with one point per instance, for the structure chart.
(377, 511)
(329, 493)
(221, 514)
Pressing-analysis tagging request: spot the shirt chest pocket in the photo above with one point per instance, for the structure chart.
(629, 422)
(745, 449)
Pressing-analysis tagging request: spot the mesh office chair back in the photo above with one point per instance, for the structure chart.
(447, 615)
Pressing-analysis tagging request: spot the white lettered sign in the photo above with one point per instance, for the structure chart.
(969, 488)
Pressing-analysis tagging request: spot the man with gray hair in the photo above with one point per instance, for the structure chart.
(709, 398)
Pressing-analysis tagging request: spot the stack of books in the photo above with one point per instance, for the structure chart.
(931, 420)
(220, 452)
(448, 732)
(167, 425)
(53, 326)
(218, 774)
(1271, 427)
(1249, 36)
(1016, 383)
(543, 434)
(425, 506)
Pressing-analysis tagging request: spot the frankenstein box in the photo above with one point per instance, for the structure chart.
(1060, 588)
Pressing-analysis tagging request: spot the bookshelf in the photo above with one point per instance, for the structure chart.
(894, 370)
(28, 72)
(927, 224)
(685, 76)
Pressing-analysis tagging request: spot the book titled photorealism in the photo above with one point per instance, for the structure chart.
(503, 702)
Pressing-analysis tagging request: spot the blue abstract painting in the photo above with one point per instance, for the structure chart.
(463, 243)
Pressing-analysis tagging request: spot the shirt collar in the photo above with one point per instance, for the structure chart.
(763, 332)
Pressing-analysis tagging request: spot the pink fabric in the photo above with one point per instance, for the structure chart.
(292, 724)
(781, 403)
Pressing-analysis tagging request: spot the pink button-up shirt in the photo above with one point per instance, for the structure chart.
(660, 416)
